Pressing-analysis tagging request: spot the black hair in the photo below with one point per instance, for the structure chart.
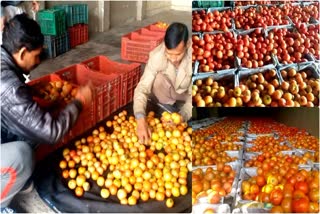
(176, 33)
(21, 31)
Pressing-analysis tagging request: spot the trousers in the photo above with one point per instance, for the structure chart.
(17, 164)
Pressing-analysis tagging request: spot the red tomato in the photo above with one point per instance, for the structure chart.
(303, 186)
(276, 197)
(300, 205)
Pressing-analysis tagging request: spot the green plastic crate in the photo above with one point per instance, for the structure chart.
(75, 13)
(52, 21)
(207, 4)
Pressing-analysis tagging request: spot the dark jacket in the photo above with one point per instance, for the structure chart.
(21, 117)
(10, 3)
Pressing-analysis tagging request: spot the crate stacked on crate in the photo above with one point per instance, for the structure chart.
(76, 22)
(136, 46)
(52, 24)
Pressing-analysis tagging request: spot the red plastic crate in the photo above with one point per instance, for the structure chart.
(108, 101)
(43, 80)
(44, 149)
(78, 34)
(136, 46)
(130, 75)
(154, 27)
(106, 91)
(147, 32)
(78, 75)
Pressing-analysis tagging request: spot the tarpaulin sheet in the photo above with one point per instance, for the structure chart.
(52, 188)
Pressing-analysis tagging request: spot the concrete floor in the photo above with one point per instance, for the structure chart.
(108, 44)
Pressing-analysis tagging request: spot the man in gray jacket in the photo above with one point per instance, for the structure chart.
(23, 123)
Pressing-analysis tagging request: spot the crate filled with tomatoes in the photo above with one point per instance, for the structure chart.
(251, 38)
(281, 174)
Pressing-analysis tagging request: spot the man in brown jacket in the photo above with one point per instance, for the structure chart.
(166, 78)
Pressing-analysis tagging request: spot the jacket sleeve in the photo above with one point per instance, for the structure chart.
(27, 119)
(144, 87)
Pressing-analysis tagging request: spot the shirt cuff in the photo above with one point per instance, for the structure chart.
(139, 115)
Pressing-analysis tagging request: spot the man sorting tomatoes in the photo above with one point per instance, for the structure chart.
(166, 79)
(24, 124)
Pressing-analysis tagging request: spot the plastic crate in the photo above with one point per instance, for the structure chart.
(52, 21)
(207, 4)
(78, 75)
(56, 45)
(130, 75)
(154, 27)
(44, 149)
(146, 32)
(75, 13)
(78, 34)
(136, 47)
(106, 94)
(42, 81)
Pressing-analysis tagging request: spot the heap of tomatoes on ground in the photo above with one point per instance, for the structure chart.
(113, 159)
(285, 178)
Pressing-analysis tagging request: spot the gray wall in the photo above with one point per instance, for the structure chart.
(122, 12)
(306, 118)
(154, 7)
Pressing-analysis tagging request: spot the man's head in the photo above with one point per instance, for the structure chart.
(23, 39)
(176, 42)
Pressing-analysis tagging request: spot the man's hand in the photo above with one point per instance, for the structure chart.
(84, 94)
(143, 131)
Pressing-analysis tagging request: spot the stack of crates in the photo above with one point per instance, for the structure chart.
(76, 22)
(56, 39)
(136, 46)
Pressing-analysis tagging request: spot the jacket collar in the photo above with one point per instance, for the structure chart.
(7, 58)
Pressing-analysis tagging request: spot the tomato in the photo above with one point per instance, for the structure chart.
(276, 197)
(314, 207)
(314, 184)
(272, 180)
(287, 193)
(289, 187)
(260, 181)
(267, 188)
(79, 191)
(314, 195)
(303, 186)
(298, 194)
(300, 205)
(286, 205)
(292, 180)
(245, 186)
(254, 189)
(264, 197)
(276, 209)
(169, 202)
(300, 177)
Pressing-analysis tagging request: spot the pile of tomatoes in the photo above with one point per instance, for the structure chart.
(123, 167)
